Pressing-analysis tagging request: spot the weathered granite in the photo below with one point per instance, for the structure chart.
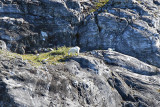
(129, 26)
(96, 78)
(23, 21)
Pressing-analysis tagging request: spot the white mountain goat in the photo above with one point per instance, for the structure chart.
(3, 45)
(44, 35)
(74, 50)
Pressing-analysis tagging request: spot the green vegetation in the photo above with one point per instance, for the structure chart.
(99, 4)
(52, 57)
(9, 54)
(139, 1)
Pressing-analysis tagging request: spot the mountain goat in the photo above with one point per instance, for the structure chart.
(3, 45)
(74, 50)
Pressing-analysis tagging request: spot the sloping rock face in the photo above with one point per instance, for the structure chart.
(96, 78)
(129, 26)
(138, 29)
(21, 22)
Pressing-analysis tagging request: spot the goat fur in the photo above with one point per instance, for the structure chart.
(74, 50)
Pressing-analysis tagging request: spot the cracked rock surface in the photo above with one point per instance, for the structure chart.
(119, 65)
(97, 78)
(129, 26)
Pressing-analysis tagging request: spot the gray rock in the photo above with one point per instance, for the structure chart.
(9, 8)
(131, 27)
(88, 35)
(125, 61)
(99, 78)
(121, 81)
(60, 19)
(3, 45)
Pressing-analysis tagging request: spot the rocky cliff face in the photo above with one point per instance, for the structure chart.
(96, 78)
(23, 21)
(127, 76)
(129, 26)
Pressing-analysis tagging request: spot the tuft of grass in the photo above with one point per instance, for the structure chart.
(9, 54)
(52, 57)
(139, 1)
(99, 4)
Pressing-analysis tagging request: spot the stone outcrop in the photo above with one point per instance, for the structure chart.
(23, 22)
(96, 78)
(125, 75)
(129, 26)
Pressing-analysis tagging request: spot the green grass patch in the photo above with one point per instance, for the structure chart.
(52, 57)
(9, 54)
(99, 4)
(139, 1)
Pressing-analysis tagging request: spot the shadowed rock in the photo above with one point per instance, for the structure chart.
(98, 78)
